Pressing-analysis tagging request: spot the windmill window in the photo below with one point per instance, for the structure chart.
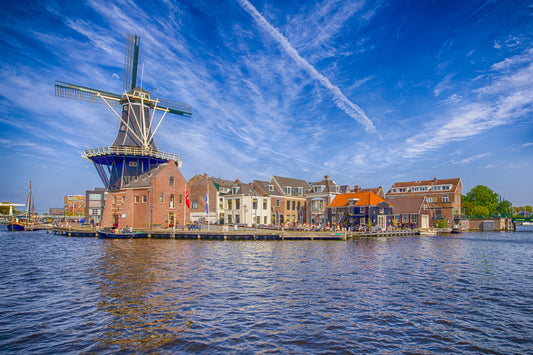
(171, 181)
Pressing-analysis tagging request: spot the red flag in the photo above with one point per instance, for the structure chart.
(187, 198)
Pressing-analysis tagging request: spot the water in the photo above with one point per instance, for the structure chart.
(468, 293)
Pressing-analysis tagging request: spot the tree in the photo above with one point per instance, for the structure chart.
(5, 209)
(482, 201)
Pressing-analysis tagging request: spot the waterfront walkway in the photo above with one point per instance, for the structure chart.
(241, 234)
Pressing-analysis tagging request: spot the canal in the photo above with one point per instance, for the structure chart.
(460, 293)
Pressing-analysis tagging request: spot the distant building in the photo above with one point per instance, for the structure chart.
(55, 211)
(156, 199)
(74, 205)
(95, 203)
(319, 197)
(357, 209)
(443, 196)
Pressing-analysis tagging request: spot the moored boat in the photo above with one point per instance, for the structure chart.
(427, 232)
(116, 233)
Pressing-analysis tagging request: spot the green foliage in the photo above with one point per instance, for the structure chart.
(482, 201)
(5, 209)
(441, 224)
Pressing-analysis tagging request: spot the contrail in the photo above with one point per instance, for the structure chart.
(339, 98)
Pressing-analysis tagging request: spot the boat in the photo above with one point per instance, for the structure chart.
(116, 233)
(23, 222)
(426, 232)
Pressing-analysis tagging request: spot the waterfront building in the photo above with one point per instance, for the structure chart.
(223, 188)
(411, 212)
(320, 195)
(294, 203)
(244, 205)
(443, 196)
(203, 196)
(360, 209)
(154, 199)
(277, 200)
(95, 203)
(74, 205)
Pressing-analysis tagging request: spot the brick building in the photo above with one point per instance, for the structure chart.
(95, 203)
(74, 205)
(443, 196)
(156, 199)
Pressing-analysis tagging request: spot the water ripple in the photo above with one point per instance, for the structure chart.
(454, 294)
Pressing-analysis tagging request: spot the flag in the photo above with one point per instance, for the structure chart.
(187, 198)
(207, 201)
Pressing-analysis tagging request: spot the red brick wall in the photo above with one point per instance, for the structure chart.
(137, 213)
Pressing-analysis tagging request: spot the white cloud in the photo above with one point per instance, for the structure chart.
(342, 102)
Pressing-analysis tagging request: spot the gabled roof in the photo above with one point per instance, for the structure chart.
(364, 199)
(264, 188)
(406, 205)
(282, 182)
(329, 186)
(222, 182)
(144, 180)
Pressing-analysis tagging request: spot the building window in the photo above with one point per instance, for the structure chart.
(265, 204)
(287, 190)
(445, 198)
(194, 204)
(405, 218)
(145, 199)
(180, 199)
(171, 201)
(162, 198)
(237, 205)
(238, 219)
(221, 203)
(265, 220)
(277, 202)
(288, 205)
(114, 199)
(230, 206)
(299, 205)
(95, 197)
(300, 191)
(229, 219)
(136, 198)
(414, 218)
(270, 187)
(171, 181)
(254, 204)
(294, 205)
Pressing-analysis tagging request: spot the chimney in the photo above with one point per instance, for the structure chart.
(326, 177)
(356, 188)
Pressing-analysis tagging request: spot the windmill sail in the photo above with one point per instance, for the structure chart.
(131, 61)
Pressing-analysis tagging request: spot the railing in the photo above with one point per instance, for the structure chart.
(132, 151)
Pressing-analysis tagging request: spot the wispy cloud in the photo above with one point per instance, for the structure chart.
(342, 102)
(468, 160)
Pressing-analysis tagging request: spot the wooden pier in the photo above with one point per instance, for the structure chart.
(252, 234)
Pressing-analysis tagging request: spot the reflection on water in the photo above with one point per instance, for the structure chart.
(466, 293)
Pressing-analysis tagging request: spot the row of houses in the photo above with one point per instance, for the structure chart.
(162, 197)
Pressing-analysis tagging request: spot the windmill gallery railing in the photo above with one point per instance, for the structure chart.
(129, 151)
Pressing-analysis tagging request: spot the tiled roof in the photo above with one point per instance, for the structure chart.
(407, 204)
(365, 199)
(264, 186)
(453, 182)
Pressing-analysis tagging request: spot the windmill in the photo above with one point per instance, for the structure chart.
(133, 151)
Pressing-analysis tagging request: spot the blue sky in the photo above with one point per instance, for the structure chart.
(368, 93)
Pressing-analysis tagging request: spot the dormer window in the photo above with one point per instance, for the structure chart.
(270, 187)
(287, 190)
(235, 190)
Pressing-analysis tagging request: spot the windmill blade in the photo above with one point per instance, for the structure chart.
(174, 107)
(81, 93)
(131, 60)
